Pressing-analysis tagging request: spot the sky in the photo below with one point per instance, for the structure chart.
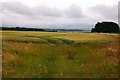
(78, 14)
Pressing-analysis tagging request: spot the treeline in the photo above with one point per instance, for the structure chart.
(21, 29)
(37, 29)
(25, 29)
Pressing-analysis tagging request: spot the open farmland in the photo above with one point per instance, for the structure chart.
(30, 54)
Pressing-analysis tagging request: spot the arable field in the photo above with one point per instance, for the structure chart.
(30, 54)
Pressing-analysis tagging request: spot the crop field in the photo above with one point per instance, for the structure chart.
(33, 54)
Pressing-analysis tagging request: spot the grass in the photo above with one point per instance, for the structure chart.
(59, 55)
(73, 36)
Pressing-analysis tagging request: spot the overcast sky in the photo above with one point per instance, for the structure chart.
(58, 13)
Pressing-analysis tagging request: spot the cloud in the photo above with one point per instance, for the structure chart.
(22, 9)
(18, 8)
(0, 7)
(48, 11)
(108, 12)
(74, 11)
(17, 13)
(119, 12)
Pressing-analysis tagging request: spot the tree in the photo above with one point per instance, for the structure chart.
(106, 27)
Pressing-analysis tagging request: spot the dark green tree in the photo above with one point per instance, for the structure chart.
(106, 27)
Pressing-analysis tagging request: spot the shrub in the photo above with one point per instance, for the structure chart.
(106, 27)
(70, 52)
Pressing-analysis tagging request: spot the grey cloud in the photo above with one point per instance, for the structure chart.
(74, 11)
(109, 12)
(48, 11)
(0, 7)
(17, 7)
(119, 12)
(19, 13)
(22, 9)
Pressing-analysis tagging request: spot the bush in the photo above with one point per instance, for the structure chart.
(106, 27)
(70, 52)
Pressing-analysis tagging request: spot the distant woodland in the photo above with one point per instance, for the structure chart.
(21, 29)
(38, 29)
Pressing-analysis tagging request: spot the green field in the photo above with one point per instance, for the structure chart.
(30, 54)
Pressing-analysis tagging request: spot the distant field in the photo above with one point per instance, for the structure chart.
(30, 54)
(70, 36)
